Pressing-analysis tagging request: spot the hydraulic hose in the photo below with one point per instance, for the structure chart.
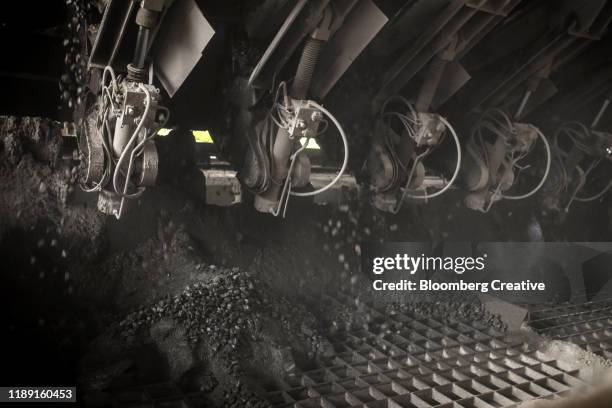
(306, 68)
(344, 160)
(142, 44)
(546, 171)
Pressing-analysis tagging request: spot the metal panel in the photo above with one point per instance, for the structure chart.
(277, 39)
(426, 38)
(407, 25)
(455, 76)
(267, 18)
(360, 27)
(546, 90)
(180, 43)
(112, 31)
(281, 49)
(496, 7)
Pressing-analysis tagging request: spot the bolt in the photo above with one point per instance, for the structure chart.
(316, 116)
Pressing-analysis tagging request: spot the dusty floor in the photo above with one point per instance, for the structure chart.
(196, 299)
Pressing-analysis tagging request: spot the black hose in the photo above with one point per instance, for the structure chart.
(142, 44)
(306, 68)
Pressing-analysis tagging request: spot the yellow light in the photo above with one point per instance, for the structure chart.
(202, 136)
(164, 132)
(312, 144)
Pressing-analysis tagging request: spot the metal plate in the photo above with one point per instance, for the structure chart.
(90, 145)
(150, 164)
(222, 187)
(455, 76)
(107, 46)
(361, 25)
(180, 43)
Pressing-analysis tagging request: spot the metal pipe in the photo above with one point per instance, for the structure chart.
(524, 101)
(277, 38)
(142, 43)
(600, 113)
(121, 136)
(430, 85)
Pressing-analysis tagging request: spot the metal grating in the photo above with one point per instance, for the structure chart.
(588, 325)
(406, 360)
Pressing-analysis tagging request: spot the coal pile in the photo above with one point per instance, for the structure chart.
(33, 185)
(225, 320)
(229, 307)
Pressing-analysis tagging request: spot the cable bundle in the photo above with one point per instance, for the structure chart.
(113, 166)
(583, 139)
(411, 124)
(499, 124)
